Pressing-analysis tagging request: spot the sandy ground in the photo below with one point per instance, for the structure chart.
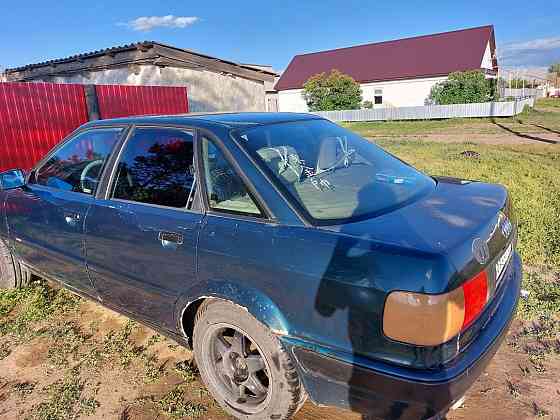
(512, 387)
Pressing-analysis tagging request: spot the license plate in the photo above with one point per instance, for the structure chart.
(502, 264)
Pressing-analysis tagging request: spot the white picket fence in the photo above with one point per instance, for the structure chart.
(487, 109)
(521, 93)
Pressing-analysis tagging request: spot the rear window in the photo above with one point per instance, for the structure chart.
(331, 173)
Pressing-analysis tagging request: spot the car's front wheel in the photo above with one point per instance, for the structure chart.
(12, 274)
(243, 365)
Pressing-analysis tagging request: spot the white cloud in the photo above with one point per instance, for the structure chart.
(542, 44)
(147, 23)
(533, 53)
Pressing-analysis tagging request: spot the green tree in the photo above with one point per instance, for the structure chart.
(554, 68)
(367, 105)
(463, 88)
(332, 91)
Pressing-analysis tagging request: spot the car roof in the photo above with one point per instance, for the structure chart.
(227, 119)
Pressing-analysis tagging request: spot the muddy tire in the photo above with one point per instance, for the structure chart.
(12, 274)
(243, 365)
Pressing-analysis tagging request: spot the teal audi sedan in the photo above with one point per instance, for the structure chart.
(297, 259)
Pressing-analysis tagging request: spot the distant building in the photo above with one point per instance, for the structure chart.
(394, 73)
(213, 84)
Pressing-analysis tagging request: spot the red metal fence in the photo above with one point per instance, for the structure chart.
(34, 117)
(122, 100)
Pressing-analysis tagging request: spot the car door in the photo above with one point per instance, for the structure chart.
(47, 228)
(239, 241)
(141, 239)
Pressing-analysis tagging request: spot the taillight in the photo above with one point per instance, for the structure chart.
(476, 295)
(429, 320)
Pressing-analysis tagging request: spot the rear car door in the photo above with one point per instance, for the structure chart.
(47, 228)
(141, 238)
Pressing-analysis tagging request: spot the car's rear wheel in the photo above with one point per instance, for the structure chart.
(243, 365)
(12, 274)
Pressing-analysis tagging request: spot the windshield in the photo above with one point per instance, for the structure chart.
(330, 172)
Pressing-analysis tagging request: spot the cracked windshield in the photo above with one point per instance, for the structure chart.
(332, 173)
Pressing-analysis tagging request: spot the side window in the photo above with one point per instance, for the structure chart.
(78, 164)
(378, 97)
(156, 167)
(226, 190)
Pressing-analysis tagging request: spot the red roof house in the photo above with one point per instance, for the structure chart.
(419, 62)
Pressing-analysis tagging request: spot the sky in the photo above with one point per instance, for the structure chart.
(527, 33)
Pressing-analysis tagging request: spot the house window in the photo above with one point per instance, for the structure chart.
(378, 97)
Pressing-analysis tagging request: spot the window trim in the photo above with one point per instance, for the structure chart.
(266, 216)
(32, 176)
(106, 195)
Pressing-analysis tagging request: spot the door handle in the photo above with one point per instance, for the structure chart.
(170, 239)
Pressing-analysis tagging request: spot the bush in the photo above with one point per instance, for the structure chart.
(331, 92)
(463, 88)
(367, 105)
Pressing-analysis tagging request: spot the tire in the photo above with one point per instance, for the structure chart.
(231, 378)
(12, 274)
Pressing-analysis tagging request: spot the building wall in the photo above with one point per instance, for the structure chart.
(487, 58)
(207, 91)
(413, 92)
(291, 101)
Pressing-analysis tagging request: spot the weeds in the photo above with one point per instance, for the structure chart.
(5, 350)
(543, 299)
(119, 343)
(175, 405)
(152, 371)
(68, 337)
(156, 338)
(512, 389)
(34, 303)
(537, 411)
(64, 400)
(24, 388)
(187, 370)
(88, 406)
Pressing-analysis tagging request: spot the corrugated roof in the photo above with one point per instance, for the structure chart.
(127, 47)
(421, 56)
(96, 53)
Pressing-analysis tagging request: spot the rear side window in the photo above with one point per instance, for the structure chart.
(156, 167)
(226, 191)
(78, 164)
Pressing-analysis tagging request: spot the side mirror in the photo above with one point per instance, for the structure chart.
(14, 178)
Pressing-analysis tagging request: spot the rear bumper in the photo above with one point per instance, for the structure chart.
(394, 392)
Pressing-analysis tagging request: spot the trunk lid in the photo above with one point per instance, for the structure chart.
(465, 221)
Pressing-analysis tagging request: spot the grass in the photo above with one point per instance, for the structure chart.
(34, 303)
(544, 296)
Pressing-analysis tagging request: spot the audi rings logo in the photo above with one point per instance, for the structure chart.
(505, 225)
(480, 250)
